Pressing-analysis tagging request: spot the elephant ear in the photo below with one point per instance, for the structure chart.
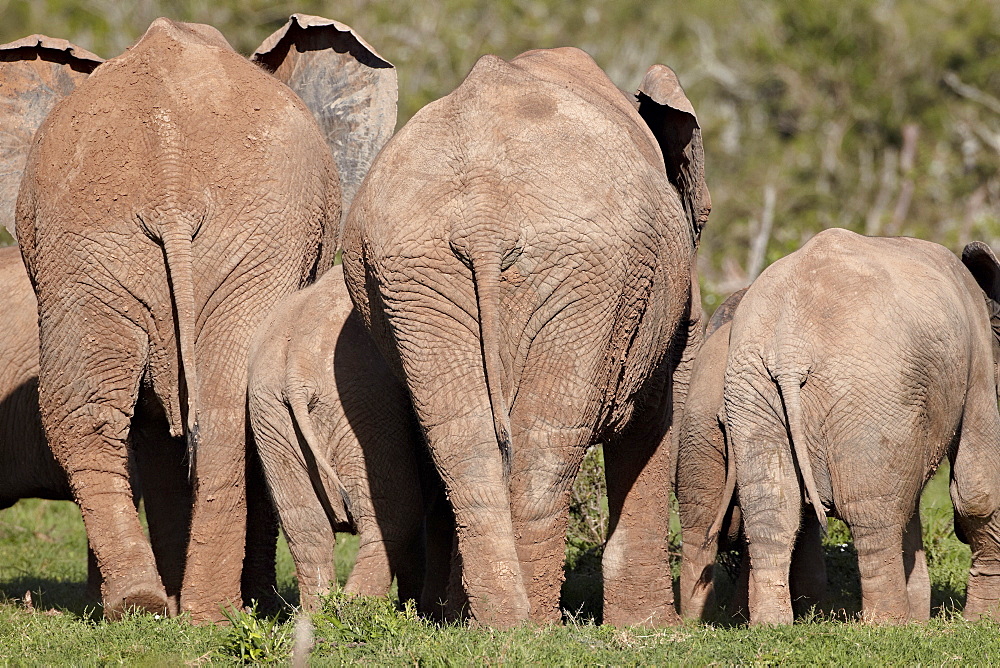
(725, 312)
(35, 73)
(348, 86)
(982, 263)
(669, 114)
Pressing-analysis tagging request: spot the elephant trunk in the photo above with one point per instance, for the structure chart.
(335, 512)
(177, 256)
(486, 276)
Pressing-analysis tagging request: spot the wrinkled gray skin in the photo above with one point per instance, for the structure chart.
(332, 424)
(880, 353)
(154, 250)
(27, 467)
(522, 251)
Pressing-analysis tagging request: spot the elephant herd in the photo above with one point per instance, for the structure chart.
(517, 284)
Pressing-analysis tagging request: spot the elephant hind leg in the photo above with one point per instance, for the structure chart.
(88, 387)
(883, 579)
(770, 496)
(307, 528)
(975, 493)
(545, 463)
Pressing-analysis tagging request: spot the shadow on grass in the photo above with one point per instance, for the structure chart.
(47, 593)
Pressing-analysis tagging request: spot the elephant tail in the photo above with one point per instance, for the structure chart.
(178, 259)
(337, 513)
(486, 275)
(728, 492)
(790, 386)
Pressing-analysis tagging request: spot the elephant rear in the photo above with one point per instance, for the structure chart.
(855, 361)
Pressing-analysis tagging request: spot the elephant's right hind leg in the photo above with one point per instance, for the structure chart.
(307, 528)
(88, 385)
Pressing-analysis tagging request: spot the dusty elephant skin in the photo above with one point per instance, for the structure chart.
(167, 204)
(521, 251)
(881, 355)
(338, 441)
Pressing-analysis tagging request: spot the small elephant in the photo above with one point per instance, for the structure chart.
(522, 253)
(167, 204)
(855, 365)
(705, 486)
(338, 442)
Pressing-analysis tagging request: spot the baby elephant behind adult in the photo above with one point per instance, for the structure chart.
(334, 428)
(860, 362)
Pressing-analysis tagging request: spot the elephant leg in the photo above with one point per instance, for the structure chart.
(259, 580)
(808, 570)
(880, 564)
(166, 494)
(88, 386)
(371, 575)
(975, 493)
(472, 469)
(306, 525)
(638, 586)
(214, 563)
(697, 573)
(546, 460)
(918, 581)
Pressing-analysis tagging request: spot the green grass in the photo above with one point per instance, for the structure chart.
(43, 550)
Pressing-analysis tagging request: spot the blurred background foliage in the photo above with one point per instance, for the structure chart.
(882, 116)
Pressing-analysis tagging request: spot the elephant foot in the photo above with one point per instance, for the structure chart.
(141, 598)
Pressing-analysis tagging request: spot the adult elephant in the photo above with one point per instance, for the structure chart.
(856, 364)
(522, 252)
(167, 204)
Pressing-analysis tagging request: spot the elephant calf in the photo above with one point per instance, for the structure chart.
(858, 363)
(338, 443)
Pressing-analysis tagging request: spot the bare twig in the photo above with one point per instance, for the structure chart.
(758, 246)
(971, 92)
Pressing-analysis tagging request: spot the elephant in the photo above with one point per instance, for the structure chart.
(857, 363)
(166, 205)
(705, 483)
(339, 443)
(521, 251)
(27, 467)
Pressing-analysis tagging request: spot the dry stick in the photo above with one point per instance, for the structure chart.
(972, 93)
(758, 247)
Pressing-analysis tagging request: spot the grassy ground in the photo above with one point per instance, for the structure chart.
(42, 550)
